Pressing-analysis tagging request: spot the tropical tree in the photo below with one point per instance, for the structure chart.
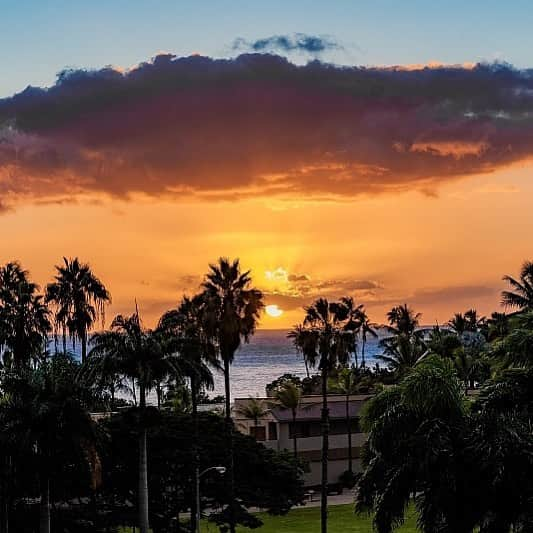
(497, 326)
(469, 321)
(413, 428)
(44, 420)
(140, 356)
(366, 329)
(233, 307)
(403, 320)
(516, 349)
(79, 299)
(405, 347)
(253, 409)
(24, 318)
(289, 396)
(402, 352)
(347, 384)
(521, 295)
(329, 335)
(443, 342)
(298, 336)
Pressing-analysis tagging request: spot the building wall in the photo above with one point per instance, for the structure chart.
(309, 448)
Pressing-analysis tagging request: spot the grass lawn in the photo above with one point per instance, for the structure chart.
(300, 520)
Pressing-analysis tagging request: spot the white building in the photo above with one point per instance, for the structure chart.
(276, 430)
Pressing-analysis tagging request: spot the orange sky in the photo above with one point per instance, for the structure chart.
(391, 185)
(442, 253)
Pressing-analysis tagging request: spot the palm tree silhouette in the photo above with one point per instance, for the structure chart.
(233, 308)
(405, 347)
(469, 321)
(253, 409)
(79, 298)
(412, 426)
(366, 328)
(402, 319)
(328, 334)
(299, 336)
(24, 317)
(140, 356)
(41, 413)
(347, 385)
(289, 396)
(521, 297)
(184, 330)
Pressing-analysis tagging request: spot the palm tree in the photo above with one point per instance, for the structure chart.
(458, 323)
(366, 328)
(79, 298)
(141, 356)
(497, 326)
(469, 321)
(184, 329)
(298, 336)
(405, 347)
(43, 417)
(402, 352)
(516, 348)
(347, 385)
(328, 334)
(443, 342)
(403, 320)
(412, 429)
(233, 307)
(103, 366)
(254, 409)
(289, 396)
(24, 318)
(521, 297)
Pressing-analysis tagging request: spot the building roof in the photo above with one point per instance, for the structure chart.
(312, 411)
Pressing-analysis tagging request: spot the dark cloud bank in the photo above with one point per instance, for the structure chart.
(260, 125)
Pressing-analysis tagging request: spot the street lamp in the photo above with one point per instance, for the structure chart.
(220, 470)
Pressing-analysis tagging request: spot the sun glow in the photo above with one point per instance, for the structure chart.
(273, 310)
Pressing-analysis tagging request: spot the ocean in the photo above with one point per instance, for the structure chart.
(268, 355)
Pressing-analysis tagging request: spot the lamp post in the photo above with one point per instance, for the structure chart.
(221, 470)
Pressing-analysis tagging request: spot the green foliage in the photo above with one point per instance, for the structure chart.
(264, 478)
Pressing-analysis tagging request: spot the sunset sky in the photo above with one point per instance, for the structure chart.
(347, 149)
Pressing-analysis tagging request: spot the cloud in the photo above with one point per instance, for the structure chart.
(298, 277)
(298, 42)
(258, 125)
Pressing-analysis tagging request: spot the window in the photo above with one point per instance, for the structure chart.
(272, 431)
(258, 432)
(303, 430)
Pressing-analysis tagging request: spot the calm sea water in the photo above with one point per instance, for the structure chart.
(268, 355)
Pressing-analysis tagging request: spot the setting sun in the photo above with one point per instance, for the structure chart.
(273, 311)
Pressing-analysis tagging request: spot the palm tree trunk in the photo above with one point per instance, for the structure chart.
(325, 445)
(363, 363)
(84, 346)
(64, 340)
(44, 509)
(306, 367)
(230, 475)
(196, 457)
(5, 485)
(349, 429)
(112, 397)
(294, 436)
(144, 524)
(158, 393)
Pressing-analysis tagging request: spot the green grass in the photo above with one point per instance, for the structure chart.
(300, 520)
